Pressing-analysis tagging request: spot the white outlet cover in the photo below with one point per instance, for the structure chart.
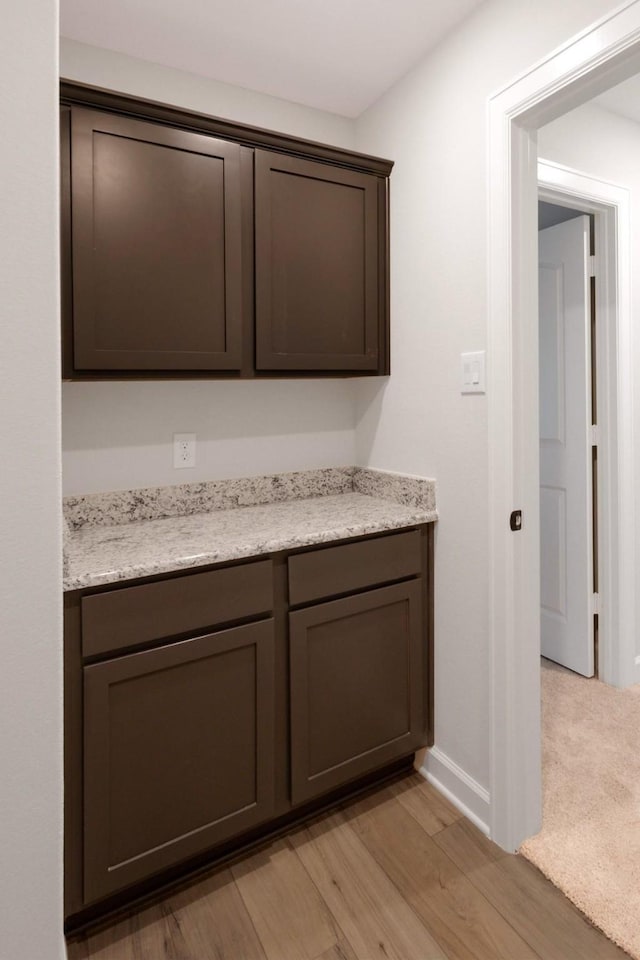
(184, 450)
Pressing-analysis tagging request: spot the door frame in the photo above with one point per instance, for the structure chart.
(610, 204)
(597, 58)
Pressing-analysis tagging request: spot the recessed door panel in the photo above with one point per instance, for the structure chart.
(553, 572)
(552, 356)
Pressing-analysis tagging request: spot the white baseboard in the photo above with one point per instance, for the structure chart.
(463, 791)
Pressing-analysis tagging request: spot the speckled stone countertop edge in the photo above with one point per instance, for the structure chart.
(129, 535)
(273, 545)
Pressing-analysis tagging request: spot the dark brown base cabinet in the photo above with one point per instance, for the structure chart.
(195, 247)
(188, 729)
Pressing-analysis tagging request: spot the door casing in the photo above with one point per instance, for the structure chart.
(601, 56)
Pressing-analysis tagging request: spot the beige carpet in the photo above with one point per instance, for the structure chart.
(589, 845)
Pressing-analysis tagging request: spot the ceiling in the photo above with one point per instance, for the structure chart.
(337, 55)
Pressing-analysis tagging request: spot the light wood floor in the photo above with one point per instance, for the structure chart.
(398, 875)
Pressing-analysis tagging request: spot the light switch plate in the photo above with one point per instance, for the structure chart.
(473, 372)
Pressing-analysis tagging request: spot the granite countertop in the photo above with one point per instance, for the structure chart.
(107, 543)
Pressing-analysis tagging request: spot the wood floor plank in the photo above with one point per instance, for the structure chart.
(152, 932)
(467, 846)
(541, 913)
(465, 924)
(341, 951)
(432, 811)
(374, 881)
(214, 920)
(376, 920)
(290, 917)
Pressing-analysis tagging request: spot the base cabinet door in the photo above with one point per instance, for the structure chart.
(178, 752)
(357, 686)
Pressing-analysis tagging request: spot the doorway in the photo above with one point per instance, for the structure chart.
(568, 437)
(609, 207)
(565, 195)
(597, 59)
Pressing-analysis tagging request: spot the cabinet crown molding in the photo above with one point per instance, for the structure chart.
(98, 98)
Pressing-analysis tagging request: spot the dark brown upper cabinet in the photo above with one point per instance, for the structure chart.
(196, 247)
(317, 289)
(156, 227)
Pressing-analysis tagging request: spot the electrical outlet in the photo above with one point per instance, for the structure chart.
(184, 450)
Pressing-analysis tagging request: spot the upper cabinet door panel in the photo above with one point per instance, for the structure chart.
(318, 300)
(157, 267)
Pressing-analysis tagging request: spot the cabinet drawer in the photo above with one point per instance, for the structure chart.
(353, 566)
(136, 615)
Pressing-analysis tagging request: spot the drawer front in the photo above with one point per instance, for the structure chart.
(353, 566)
(136, 615)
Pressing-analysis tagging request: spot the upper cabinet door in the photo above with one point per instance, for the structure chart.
(156, 246)
(319, 303)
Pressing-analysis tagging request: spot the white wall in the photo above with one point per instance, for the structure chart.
(117, 71)
(116, 435)
(30, 525)
(605, 145)
(433, 124)
(119, 436)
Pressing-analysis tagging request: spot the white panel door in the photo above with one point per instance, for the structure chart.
(566, 526)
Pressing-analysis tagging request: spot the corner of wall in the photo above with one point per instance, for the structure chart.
(465, 793)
